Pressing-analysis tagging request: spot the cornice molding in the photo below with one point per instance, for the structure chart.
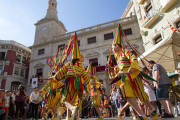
(12, 45)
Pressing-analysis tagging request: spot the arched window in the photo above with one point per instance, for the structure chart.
(14, 85)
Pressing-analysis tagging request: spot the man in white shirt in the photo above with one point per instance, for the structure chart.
(34, 103)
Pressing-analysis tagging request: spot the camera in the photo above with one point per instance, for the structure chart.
(21, 87)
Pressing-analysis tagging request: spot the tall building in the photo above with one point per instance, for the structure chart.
(14, 64)
(159, 40)
(94, 42)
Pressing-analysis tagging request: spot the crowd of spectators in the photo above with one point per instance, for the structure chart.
(16, 104)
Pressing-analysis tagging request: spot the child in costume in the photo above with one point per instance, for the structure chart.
(95, 90)
(129, 76)
(53, 99)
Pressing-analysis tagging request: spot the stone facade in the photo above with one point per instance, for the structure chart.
(153, 17)
(14, 64)
(54, 35)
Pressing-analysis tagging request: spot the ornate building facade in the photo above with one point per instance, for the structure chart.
(94, 42)
(14, 64)
(159, 40)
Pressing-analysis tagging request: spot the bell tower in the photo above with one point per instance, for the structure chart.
(49, 26)
(52, 10)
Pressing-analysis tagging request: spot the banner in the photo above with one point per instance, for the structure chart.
(34, 82)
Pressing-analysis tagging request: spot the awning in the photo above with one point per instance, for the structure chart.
(165, 52)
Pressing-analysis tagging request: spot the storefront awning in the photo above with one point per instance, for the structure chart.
(165, 52)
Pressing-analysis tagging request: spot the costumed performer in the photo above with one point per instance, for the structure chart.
(74, 74)
(131, 84)
(95, 90)
(53, 99)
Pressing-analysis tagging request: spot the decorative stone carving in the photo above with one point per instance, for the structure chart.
(39, 65)
(142, 33)
(174, 19)
(156, 33)
(92, 53)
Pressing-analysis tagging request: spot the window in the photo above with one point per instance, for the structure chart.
(16, 71)
(178, 25)
(148, 8)
(24, 60)
(91, 40)
(39, 72)
(108, 36)
(113, 62)
(2, 55)
(94, 62)
(1, 69)
(18, 58)
(22, 72)
(79, 42)
(128, 31)
(41, 52)
(158, 39)
(61, 47)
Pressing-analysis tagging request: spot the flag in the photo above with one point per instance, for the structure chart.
(172, 28)
(34, 82)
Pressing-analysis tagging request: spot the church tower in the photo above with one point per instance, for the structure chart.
(49, 26)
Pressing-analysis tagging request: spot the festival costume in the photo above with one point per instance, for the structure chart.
(95, 92)
(95, 89)
(130, 84)
(53, 99)
(74, 74)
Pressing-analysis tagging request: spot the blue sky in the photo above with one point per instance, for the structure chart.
(17, 17)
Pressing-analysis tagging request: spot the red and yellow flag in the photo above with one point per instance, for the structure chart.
(89, 69)
(173, 28)
(94, 71)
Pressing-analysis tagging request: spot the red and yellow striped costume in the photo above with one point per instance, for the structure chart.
(95, 92)
(132, 85)
(74, 75)
(53, 99)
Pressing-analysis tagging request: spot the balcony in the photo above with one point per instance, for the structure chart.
(97, 27)
(141, 2)
(100, 68)
(150, 18)
(164, 5)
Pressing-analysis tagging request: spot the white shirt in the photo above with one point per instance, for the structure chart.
(34, 96)
(13, 96)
